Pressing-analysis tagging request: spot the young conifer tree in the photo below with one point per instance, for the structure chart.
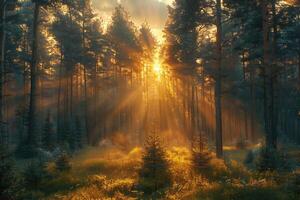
(154, 175)
(48, 134)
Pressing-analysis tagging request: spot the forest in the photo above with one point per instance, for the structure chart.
(150, 99)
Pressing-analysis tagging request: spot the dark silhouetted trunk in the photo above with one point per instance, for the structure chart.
(58, 123)
(31, 135)
(2, 43)
(270, 127)
(218, 84)
(299, 71)
(253, 103)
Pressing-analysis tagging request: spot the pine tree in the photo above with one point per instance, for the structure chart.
(67, 137)
(63, 163)
(78, 133)
(32, 132)
(270, 159)
(8, 179)
(122, 33)
(5, 7)
(147, 42)
(33, 174)
(21, 122)
(201, 156)
(48, 134)
(218, 81)
(181, 46)
(154, 174)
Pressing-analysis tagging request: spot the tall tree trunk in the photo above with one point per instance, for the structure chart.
(58, 117)
(245, 109)
(87, 128)
(246, 123)
(299, 71)
(270, 127)
(253, 103)
(274, 81)
(86, 107)
(71, 95)
(193, 114)
(2, 43)
(218, 84)
(31, 135)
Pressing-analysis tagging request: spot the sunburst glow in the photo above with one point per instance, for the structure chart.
(157, 68)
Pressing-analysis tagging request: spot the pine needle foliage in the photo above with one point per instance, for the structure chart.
(63, 163)
(201, 156)
(154, 175)
(8, 178)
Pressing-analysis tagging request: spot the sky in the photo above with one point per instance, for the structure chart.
(155, 12)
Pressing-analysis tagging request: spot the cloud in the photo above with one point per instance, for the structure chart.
(153, 11)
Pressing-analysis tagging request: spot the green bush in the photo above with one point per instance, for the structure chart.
(34, 174)
(26, 151)
(272, 160)
(62, 182)
(201, 160)
(8, 178)
(249, 158)
(242, 144)
(295, 180)
(63, 163)
(154, 175)
(205, 163)
(229, 192)
(238, 171)
(32, 195)
(48, 135)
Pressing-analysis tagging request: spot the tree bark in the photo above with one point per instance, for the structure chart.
(2, 43)
(252, 104)
(58, 118)
(218, 84)
(31, 135)
(87, 128)
(299, 71)
(270, 127)
(274, 82)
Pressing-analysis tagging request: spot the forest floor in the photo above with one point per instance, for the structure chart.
(112, 173)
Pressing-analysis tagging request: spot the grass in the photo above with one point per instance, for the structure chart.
(231, 192)
(111, 173)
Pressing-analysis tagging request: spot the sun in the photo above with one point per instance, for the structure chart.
(157, 68)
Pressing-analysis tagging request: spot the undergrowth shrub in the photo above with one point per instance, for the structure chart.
(201, 156)
(205, 162)
(249, 159)
(238, 171)
(34, 174)
(8, 178)
(26, 151)
(218, 170)
(295, 183)
(60, 183)
(154, 174)
(201, 160)
(210, 167)
(63, 163)
(272, 160)
(122, 186)
(229, 192)
(242, 144)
